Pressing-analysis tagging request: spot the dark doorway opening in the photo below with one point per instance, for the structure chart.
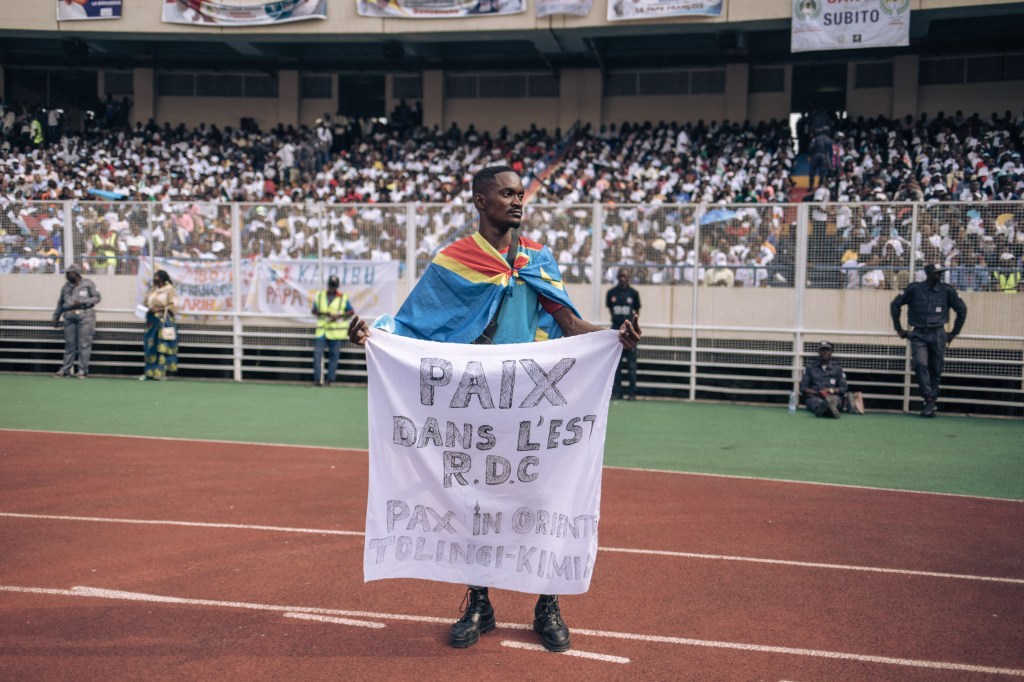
(75, 91)
(361, 95)
(819, 86)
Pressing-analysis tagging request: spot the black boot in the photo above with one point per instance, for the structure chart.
(547, 621)
(477, 618)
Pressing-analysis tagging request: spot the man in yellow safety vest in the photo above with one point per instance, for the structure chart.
(104, 250)
(1007, 281)
(332, 310)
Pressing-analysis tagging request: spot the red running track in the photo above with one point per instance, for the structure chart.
(699, 577)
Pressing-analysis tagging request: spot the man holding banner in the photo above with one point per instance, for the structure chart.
(479, 290)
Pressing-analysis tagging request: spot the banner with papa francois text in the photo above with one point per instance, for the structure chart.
(206, 288)
(485, 461)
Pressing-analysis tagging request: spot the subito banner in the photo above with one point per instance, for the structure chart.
(485, 461)
(438, 9)
(78, 10)
(621, 10)
(242, 12)
(831, 25)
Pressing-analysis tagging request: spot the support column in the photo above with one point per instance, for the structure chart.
(904, 86)
(737, 77)
(287, 99)
(433, 99)
(579, 99)
(143, 96)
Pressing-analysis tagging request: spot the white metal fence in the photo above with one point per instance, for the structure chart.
(772, 280)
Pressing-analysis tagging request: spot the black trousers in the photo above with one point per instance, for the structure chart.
(629, 357)
(927, 355)
(819, 406)
(819, 169)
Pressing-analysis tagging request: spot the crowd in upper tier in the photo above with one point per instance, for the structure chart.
(859, 238)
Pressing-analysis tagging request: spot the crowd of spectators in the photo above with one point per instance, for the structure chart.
(323, 189)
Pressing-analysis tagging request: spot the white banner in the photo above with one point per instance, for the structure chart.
(578, 8)
(438, 9)
(242, 12)
(205, 288)
(77, 10)
(275, 286)
(621, 10)
(288, 286)
(485, 461)
(831, 25)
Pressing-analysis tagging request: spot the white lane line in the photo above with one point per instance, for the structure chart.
(607, 658)
(839, 655)
(332, 619)
(622, 550)
(194, 524)
(101, 593)
(810, 564)
(817, 483)
(213, 441)
(364, 451)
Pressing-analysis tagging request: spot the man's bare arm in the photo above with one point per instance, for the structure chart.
(629, 332)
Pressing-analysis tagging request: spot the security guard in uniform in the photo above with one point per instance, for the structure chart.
(623, 302)
(76, 303)
(332, 310)
(823, 385)
(928, 305)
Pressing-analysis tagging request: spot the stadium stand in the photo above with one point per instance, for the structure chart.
(677, 148)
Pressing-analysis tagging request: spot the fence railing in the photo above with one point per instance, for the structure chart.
(771, 281)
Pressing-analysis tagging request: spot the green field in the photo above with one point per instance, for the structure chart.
(961, 455)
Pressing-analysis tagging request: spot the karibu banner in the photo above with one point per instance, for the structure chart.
(288, 286)
(579, 8)
(830, 25)
(438, 9)
(485, 461)
(206, 288)
(620, 10)
(77, 10)
(242, 12)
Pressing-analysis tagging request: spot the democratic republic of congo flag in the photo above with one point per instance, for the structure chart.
(461, 288)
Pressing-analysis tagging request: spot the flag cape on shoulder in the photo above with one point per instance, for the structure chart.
(460, 290)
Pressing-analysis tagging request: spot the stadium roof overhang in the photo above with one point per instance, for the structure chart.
(634, 45)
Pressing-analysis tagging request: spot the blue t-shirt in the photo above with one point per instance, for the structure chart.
(517, 321)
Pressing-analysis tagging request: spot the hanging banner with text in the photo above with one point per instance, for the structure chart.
(438, 9)
(242, 12)
(578, 8)
(621, 10)
(289, 286)
(485, 461)
(79, 10)
(205, 288)
(850, 24)
(285, 287)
